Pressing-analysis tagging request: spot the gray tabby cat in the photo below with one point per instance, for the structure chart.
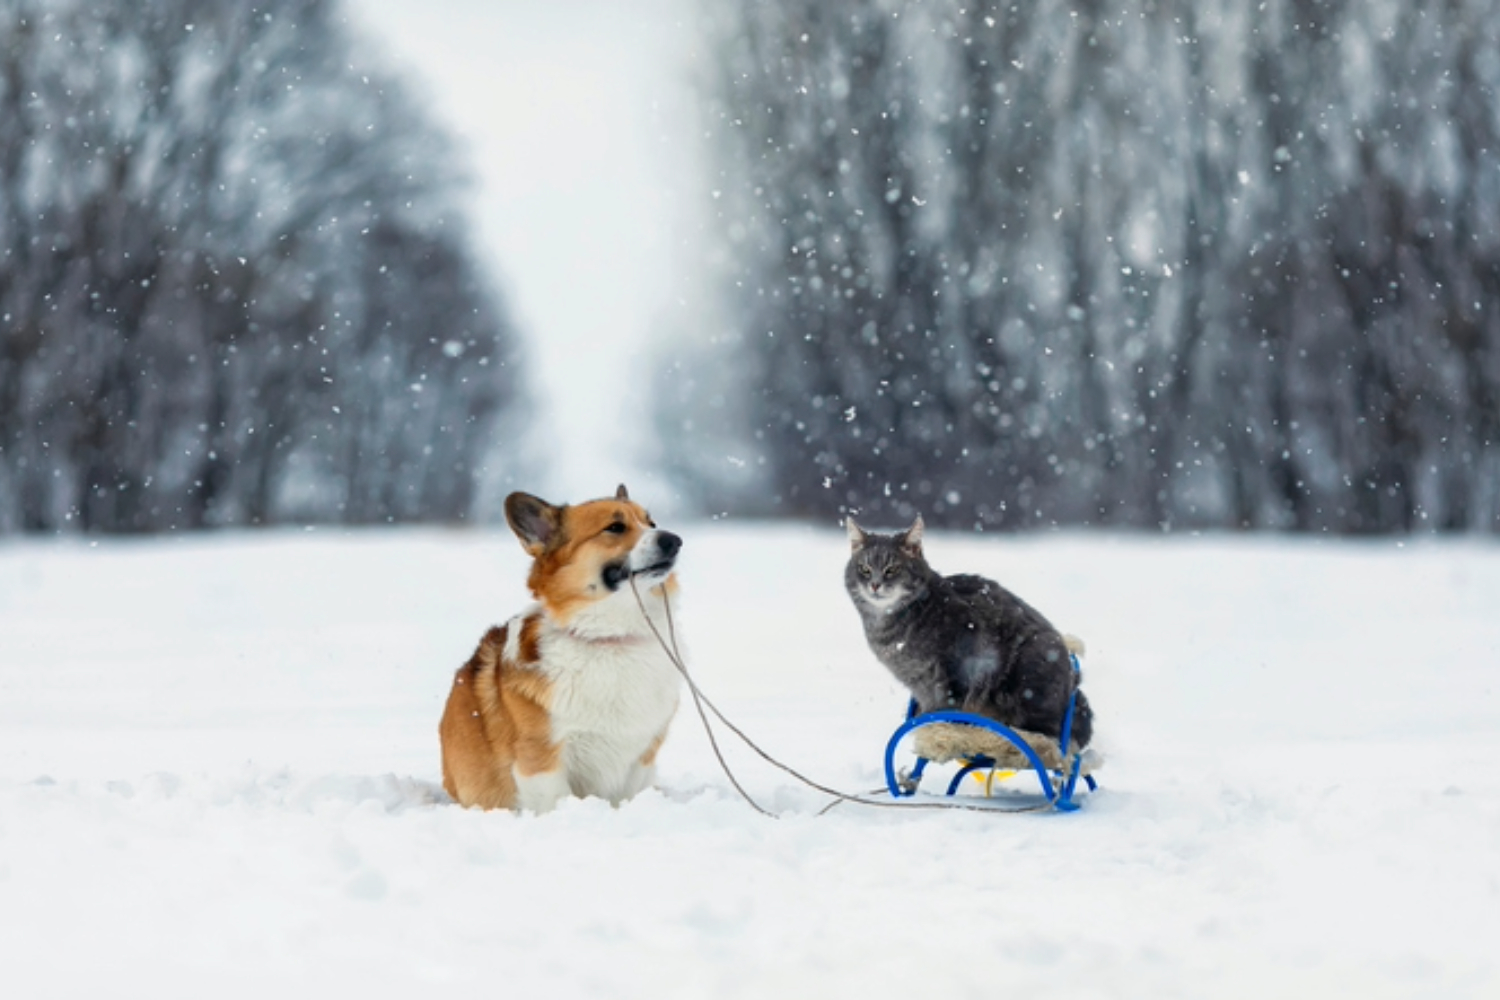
(961, 642)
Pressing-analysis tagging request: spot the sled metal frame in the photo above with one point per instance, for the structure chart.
(1058, 785)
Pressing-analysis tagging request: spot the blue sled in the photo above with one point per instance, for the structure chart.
(1058, 786)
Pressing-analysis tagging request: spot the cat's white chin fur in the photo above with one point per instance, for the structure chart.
(882, 602)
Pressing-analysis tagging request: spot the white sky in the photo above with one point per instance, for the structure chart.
(577, 121)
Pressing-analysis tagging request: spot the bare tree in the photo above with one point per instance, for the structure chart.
(234, 284)
(1165, 264)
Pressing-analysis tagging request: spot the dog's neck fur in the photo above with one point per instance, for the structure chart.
(617, 620)
(610, 640)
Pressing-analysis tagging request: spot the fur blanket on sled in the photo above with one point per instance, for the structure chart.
(945, 741)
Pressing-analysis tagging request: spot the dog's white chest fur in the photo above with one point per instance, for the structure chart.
(611, 699)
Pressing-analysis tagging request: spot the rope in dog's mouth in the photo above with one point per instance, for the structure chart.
(700, 700)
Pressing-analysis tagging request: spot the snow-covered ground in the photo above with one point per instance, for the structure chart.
(219, 765)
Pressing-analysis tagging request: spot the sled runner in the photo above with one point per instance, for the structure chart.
(979, 744)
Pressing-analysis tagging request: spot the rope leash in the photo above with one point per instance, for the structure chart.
(700, 700)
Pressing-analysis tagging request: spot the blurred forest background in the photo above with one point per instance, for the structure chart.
(1211, 263)
(234, 280)
(1222, 264)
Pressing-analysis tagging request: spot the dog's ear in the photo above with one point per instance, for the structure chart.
(534, 520)
(911, 539)
(621, 494)
(857, 536)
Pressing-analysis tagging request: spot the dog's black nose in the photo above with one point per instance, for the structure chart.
(668, 543)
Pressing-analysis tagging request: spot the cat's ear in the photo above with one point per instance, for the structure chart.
(911, 539)
(857, 536)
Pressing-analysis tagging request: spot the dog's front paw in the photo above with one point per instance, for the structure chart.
(540, 793)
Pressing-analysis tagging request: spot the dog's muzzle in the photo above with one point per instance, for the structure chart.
(652, 558)
(656, 554)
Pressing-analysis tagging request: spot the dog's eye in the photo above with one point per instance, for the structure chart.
(616, 529)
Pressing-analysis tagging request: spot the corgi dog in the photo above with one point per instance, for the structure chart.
(572, 696)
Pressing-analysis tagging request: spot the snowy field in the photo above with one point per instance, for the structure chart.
(219, 767)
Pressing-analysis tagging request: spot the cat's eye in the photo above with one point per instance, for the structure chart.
(864, 571)
(890, 572)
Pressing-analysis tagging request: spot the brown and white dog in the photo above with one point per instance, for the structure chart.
(572, 696)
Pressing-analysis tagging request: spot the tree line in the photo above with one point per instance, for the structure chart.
(234, 284)
(1150, 263)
